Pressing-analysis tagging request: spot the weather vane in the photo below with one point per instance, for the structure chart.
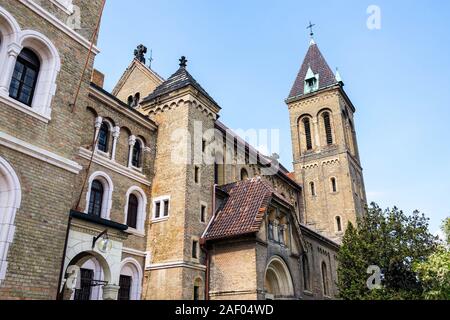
(310, 27)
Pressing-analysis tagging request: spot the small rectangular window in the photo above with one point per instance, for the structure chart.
(166, 208)
(203, 214)
(195, 249)
(197, 174)
(157, 210)
(203, 145)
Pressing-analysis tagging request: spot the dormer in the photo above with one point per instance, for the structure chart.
(311, 82)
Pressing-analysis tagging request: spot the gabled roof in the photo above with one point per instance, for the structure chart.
(244, 210)
(180, 79)
(138, 66)
(315, 62)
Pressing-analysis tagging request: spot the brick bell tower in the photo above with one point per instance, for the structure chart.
(325, 148)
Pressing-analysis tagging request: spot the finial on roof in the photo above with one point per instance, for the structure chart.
(311, 33)
(183, 62)
(140, 52)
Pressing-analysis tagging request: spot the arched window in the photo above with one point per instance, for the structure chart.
(10, 200)
(338, 224)
(308, 136)
(244, 174)
(103, 137)
(326, 289)
(313, 189)
(135, 210)
(137, 154)
(132, 216)
(328, 130)
(333, 185)
(130, 101)
(25, 75)
(96, 199)
(306, 274)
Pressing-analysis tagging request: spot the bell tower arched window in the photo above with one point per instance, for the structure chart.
(103, 137)
(308, 136)
(328, 129)
(96, 199)
(25, 75)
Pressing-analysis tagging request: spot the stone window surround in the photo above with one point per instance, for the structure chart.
(142, 209)
(205, 205)
(161, 199)
(336, 184)
(131, 142)
(64, 5)
(13, 40)
(130, 267)
(108, 189)
(10, 197)
(198, 251)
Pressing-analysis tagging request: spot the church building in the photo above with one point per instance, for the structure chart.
(142, 193)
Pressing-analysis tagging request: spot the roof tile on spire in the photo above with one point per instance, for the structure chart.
(314, 60)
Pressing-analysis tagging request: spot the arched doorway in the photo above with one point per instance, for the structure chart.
(93, 277)
(10, 199)
(89, 282)
(130, 280)
(278, 281)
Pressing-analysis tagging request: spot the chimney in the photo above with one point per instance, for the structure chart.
(98, 78)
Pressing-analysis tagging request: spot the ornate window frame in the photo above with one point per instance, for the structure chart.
(13, 41)
(142, 209)
(10, 200)
(108, 189)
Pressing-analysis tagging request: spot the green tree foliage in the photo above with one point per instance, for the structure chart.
(435, 272)
(392, 241)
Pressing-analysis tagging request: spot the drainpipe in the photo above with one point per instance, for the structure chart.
(204, 247)
(60, 293)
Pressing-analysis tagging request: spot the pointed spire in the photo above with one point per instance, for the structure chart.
(313, 64)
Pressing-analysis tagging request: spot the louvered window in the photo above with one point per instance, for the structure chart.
(307, 124)
(328, 130)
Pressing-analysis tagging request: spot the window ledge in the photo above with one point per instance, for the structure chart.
(135, 232)
(23, 108)
(137, 169)
(160, 220)
(103, 154)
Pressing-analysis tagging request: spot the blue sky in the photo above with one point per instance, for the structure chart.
(246, 54)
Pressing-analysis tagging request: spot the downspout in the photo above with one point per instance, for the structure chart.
(59, 293)
(204, 247)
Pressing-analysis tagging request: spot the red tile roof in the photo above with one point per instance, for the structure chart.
(314, 60)
(244, 209)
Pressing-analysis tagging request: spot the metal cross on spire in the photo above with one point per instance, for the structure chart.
(310, 27)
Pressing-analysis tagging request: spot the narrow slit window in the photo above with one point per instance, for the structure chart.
(313, 189)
